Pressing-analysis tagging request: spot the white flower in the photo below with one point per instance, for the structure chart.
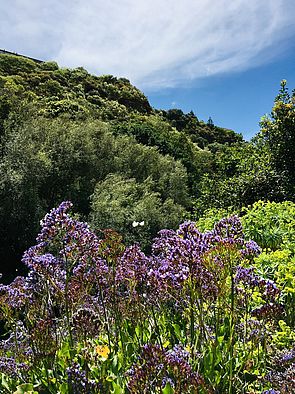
(135, 224)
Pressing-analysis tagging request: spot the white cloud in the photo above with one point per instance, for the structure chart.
(154, 43)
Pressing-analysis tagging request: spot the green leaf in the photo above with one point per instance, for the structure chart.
(177, 330)
(25, 388)
(168, 389)
(4, 382)
(117, 389)
(63, 388)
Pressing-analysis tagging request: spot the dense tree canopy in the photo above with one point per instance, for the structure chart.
(278, 134)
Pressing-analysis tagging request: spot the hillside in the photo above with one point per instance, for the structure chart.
(96, 140)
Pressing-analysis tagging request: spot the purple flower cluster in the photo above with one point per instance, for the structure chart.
(282, 379)
(17, 343)
(56, 219)
(13, 369)
(190, 254)
(288, 356)
(67, 251)
(230, 229)
(267, 311)
(14, 295)
(66, 271)
(132, 273)
(156, 367)
(251, 249)
(79, 287)
(177, 256)
(268, 290)
(86, 322)
(79, 382)
(247, 277)
(250, 280)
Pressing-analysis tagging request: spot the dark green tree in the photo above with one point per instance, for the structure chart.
(133, 209)
(278, 134)
(210, 122)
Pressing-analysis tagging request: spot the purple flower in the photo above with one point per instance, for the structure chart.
(12, 368)
(156, 367)
(15, 294)
(267, 311)
(247, 277)
(79, 382)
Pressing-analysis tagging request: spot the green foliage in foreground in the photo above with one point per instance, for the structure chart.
(272, 226)
(198, 315)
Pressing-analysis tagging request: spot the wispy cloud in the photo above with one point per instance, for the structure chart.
(154, 43)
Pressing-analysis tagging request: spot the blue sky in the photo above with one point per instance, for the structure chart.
(219, 58)
(236, 100)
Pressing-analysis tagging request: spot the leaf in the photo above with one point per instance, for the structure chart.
(117, 389)
(63, 389)
(177, 330)
(168, 389)
(4, 382)
(25, 388)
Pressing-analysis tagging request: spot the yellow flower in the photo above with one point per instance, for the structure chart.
(166, 344)
(103, 351)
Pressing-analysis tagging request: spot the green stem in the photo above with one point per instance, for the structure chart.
(105, 316)
(157, 328)
(231, 344)
(67, 302)
(192, 326)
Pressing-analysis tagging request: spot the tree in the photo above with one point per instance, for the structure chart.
(278, 134)
(120, 204)
(241, 174)
(210, 122)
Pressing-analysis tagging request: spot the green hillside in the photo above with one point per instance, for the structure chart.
(96, 140)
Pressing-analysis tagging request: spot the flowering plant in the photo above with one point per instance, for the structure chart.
(94, 316)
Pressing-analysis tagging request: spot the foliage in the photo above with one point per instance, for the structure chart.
(118, 203)
(277, 132)
(45, 160)
(154, 131)
(94, 316)
(10, 64)
(272, 226)
(199, 132)
(241, 174)
(262, 169)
